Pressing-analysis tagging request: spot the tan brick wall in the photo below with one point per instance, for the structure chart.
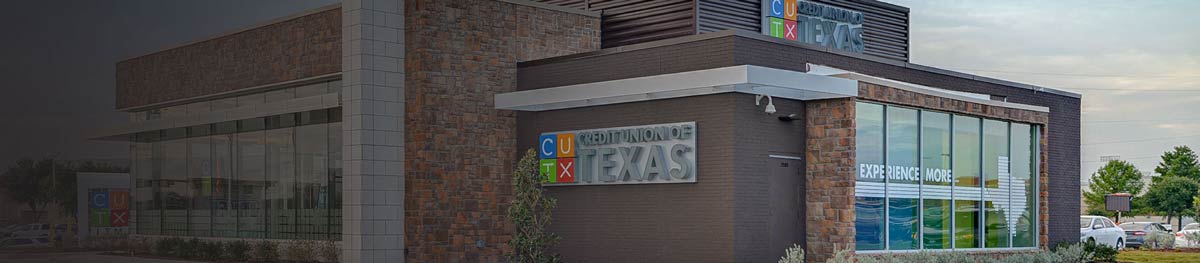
(297, 48)
(459, 149)
(830, 177)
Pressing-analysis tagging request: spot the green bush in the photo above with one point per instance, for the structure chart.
(1193, 238)
(794, 254)
(189, 249)
(1100, 253)
(1074, 252)
(266, 251)
(239, 250)
(530, 213)
(212, 250)
(166, 247)
(1159, 240)
(329, 250)
(1065, 253)
(302, 251)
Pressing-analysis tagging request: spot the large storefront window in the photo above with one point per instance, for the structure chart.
(934, 180)
(274, 177)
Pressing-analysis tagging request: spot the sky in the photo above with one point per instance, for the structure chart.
(1125, 57)
(1129, 59)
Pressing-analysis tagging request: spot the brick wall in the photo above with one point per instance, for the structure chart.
(305, 46)
(459, 149)
(829, 162)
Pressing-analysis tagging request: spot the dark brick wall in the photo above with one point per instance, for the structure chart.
(459, 150)
(305, 46)
(723, 217)
(704, 52)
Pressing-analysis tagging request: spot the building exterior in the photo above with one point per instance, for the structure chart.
(673, 131)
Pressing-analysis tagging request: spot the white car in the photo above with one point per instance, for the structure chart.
(1101, 230)
(1181, 237)
(24, 242)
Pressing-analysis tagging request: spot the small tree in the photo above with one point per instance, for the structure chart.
(1115, 177)
(1180, 161)
(27, 181)
(530, 212)
(1172, 196)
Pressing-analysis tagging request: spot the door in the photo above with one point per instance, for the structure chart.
(786, 192)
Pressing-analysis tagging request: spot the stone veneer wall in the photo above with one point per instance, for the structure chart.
(459, 149)
(305, 46)
(829, 163)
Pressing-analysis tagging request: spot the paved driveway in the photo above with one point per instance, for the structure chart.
(71, 257)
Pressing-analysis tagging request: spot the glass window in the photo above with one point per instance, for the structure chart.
(869, 191)
(251, 179)
(312, 159)
(966, 182)
(1085, 222)
(223, 151)
(936, 180)
(334, 189)
(1023, 195)
(200, 180)
(281, 182)
(174, 184)
(996, 183)
(146, 195)
(903, 178)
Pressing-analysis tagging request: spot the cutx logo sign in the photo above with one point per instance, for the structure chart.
(660, 153)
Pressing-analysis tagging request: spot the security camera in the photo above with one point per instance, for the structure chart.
(770, 104)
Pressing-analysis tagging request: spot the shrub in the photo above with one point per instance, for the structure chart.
(213, 250)
(140, 246)
(794, 254)
(1159, 240)
(329, 250)
(239, 250)
(1193, 238)
(1101, 253)
(301, 250)
(166, 247)
(266, 250)
(189, 249)
(530, 212)
(1073, 253)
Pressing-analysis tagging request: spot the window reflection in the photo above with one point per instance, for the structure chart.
(274, 177)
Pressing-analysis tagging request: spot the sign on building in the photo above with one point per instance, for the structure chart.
(813, 23)
(648, 154)
(108, 208)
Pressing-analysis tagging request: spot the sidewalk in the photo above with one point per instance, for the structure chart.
(71, 257)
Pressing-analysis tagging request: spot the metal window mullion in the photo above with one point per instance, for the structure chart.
(1008, 192)
(920, 182)
(981, 206)
(886, 183)
(953, 184)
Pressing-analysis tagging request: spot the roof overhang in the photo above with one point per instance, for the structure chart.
(740, 79)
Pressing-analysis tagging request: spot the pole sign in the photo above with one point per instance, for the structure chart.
(648, 154)
(813, 23)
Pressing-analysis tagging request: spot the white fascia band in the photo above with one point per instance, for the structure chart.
(744, 79)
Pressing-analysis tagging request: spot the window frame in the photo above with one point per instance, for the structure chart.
(1036, 157)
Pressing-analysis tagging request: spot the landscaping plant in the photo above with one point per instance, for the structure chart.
(794, 254)
(329, 250)
(302, 251)
(266, 251)
(529, 212)
(212, 250)
(239, 250)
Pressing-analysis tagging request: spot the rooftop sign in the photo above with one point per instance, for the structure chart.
(648, 154)
(813, 23)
